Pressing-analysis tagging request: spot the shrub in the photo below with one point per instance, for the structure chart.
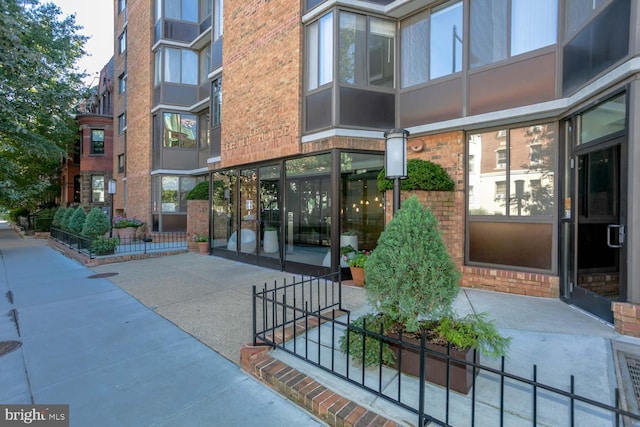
(369, 322)
(199, 192)
(42, 222)
(66, 219)
(77, 220)
(96, 224)
(421, 175)
(57, 218)
(104, 245)
(15, 214)
(410, 273)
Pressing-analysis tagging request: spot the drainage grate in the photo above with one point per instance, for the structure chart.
(626, 358)
(633, 365)
(102, 275)
(8, 346)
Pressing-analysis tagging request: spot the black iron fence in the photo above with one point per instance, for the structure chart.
(143, 243)
(287, 318)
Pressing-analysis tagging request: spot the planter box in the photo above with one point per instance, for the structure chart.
(460, 374)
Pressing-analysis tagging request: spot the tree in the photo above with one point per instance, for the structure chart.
(38, 88)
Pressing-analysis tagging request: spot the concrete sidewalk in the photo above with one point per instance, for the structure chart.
(116, 362)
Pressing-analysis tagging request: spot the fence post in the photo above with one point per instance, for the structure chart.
(253, 315)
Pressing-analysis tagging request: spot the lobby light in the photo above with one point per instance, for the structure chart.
(395, 161)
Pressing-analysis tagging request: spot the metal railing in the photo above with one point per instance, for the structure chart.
(283, 318)
(143, 244)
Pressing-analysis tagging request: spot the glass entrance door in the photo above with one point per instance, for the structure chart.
(599, 230)
(270, 253)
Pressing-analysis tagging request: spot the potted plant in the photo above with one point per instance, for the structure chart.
(270, 240)
(346, 253)
(412, 282)
(356, 265)
(203, 243)
(349, 238)
(126, 227)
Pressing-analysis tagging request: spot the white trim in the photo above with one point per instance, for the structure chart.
(198, 171)
(353, 133)
(214, 159)
(195, 108)
(363, 6)
(201, 40)
(214, 74)
(170, 43)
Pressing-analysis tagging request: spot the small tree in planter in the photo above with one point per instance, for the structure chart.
(412, 282)
(96, 225)
(57, 218)
(66, 219)
(77, 220)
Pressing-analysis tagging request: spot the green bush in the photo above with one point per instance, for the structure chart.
(77, 220)
(43, 221)
(104, 245)
(96, 224)
(66, 219)
(421, 175)
(57, 218)
(410, 273)
(376, 324)
(199, 192)
(15, 214)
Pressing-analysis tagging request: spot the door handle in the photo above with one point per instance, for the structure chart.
(616, 228)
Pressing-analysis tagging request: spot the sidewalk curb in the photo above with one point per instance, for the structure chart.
(326, 404)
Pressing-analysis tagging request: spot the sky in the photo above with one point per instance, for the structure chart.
(96, 16)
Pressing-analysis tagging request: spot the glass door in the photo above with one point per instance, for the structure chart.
(270, 253)
(247, 236)
(599, 230)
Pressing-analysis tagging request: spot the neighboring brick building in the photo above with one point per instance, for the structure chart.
(283, 104)
(88, 169)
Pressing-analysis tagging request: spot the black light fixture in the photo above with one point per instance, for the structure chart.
(111, 189)
(395, 161)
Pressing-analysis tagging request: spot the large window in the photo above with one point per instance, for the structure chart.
(320, 52)
(122, 122)
(216, 102)
(180, 130)
(432, 44)
(182, 10)
(122, 83)
(367, 50)
(218, 6)
(203, 123)
(122, 43)
(97, 141)
(174, 192)
(532, 25)
(512, 207)
(180, 66)
(205, 64)
(97, 188)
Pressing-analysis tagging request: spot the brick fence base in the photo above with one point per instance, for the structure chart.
(626, 318)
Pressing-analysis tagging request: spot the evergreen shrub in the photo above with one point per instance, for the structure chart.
(199, 192)
(77, 220)
(66, 219)
(96, 224)
(57, 218)
(421, 175)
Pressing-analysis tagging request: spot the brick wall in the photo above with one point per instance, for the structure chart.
(197, 221)
(626, 318)
(261, 80)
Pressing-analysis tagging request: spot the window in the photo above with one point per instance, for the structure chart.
(205, 9)
(97, 141)
(501, 190)
(203, 122)
(122, 4)
(577, 12)
(180, 66)
(366, 41)
(432, 44)
(218, 6)
(122, 122)
(205, 64)
(472, 163)
(122, 43)
(216, 102)
(97, 188)
(320, 52)
(157, 73)
(122, 83)
(501, 158)
(180, 130)
(532, 25)
(182, 10)
(535, 154)
(121, 163)
(174, 192)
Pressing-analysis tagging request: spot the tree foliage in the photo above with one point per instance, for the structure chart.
(421, 175)
(96, 223)
(39, 85)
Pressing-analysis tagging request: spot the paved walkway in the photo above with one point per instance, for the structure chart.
(116, 362)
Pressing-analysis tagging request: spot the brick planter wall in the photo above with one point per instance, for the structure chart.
(197, 221)
(626, 316)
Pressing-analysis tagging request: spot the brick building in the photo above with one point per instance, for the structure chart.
(282, 105)
(86, 172)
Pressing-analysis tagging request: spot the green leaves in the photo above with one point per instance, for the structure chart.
(421, 175)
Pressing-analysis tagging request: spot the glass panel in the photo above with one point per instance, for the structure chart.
(308, 198)
(172, 59)
(203, 123)
(382, 41)
(488, 35)
(172, 9)
(205, 64)
(597, 184)
(488, 175)
(190, 10)
(353, 52)
(216, 103)
(169, 198)
(270, 210)
(218, 6)
(224, 217)
(577, 13)
(188, 129)
(415, 59)
(312, 55)
(526, 37)
(157, 76)
(97, 188)
(502, 243)
(362, 204)
(158, 9)
(171, 130)
(531, 165)
(446, 40)
(326, 49)
(186, 184)
(189, 67)
(605, 119)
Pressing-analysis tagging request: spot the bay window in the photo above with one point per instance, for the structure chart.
(179, 130)
(320, 52)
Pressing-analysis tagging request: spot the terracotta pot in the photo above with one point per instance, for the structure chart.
(357, 274)
(203, 247)
(460, 374)
(127, 234)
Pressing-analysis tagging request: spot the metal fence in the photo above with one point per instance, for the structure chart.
(283, 317)
(143, 244)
